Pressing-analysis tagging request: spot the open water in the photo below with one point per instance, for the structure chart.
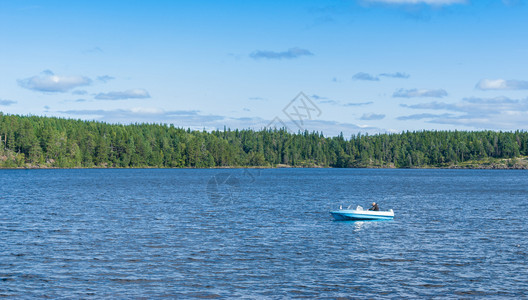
(126, 233)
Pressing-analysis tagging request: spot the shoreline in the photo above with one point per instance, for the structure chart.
(453, 167)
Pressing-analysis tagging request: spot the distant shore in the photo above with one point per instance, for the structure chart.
(32, 142)
(520, 163)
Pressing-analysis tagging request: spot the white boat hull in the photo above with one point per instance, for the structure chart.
(353, 214)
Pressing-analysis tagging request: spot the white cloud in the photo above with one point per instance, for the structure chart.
(93, 50)
(372, 116)
(147, 110)
(4, 102)
(412, 93)
(128, 94)
(395, 75)
(79, 92)
(325, 100)
(289, 54)
(370, 77)
(423, 116)
(105, 78)
(49, 82)
(358, 103)
(365, 76)
(501, 84)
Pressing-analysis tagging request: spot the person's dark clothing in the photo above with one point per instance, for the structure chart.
(374, 207)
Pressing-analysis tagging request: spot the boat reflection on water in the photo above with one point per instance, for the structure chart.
(360, 225)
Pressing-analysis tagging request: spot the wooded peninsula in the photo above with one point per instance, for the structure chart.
(48, 142)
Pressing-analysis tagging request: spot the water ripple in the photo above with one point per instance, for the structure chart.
(156, 233)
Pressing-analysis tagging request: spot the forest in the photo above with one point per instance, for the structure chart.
(49, 142)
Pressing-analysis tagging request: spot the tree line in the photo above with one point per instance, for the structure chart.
(32, 141)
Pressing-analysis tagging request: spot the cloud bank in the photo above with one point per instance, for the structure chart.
(196, 120)
(480, 113)
(184, 118)
(289, 54)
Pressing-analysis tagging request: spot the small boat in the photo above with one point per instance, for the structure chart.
(360, 214)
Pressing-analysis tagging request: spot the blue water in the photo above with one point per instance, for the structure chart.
(262, 233)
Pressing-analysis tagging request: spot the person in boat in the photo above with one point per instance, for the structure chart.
(374, 207)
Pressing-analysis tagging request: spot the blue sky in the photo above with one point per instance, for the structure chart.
(366, 65)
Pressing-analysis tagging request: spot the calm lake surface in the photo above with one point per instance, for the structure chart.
(262, 233)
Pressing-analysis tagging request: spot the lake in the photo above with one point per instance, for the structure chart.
(121, 233)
